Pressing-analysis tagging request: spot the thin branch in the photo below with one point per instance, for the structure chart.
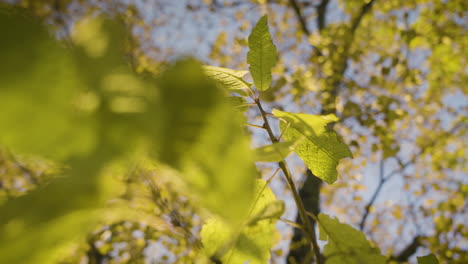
(300, 17)
(266, 124)
(272, 176)
(292, 223)
(364, 10)
(402, 167)
(300, 206)
(374, 196)
(408, 251)
(252, 125)
(284, 131)
(244, 105)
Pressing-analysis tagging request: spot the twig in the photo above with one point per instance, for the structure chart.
(300, 17)
(300, 206)
(374, 196)
(252, 125)
(284, 131)
(402, 167)
(408, 251)
(292, 223)
(244, 105)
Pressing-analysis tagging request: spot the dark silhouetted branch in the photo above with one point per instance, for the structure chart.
(302, 20)
(408, 251)
(310, 195)
(364, 10)
(403, 166)
(374, 196)
(322, 14)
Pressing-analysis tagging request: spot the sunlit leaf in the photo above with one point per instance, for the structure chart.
(230, 79)
(346, 244)
(262, 55)
(322, 148)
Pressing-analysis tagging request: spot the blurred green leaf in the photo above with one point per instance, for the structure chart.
(275, 152)
(253, 242)
(48, 113)
(37, 111)
(273, 210)
(201, 136)
(429, 259)
(238, 103)
(85, 108)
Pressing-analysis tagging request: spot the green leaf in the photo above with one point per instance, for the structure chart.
(201, 136)
(429, 259)
(322, 148)
(37, 114)
(275, 152)
(85, 109)
(262, 55)
(252, 242)
(346, 244)
(230, 79)
(238, 103)
(273, 210)
(50, 114)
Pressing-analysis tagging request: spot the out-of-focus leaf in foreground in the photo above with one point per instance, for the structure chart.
(275, 152)
(252, 243)
(84, 108)
(201, 136)
(55, 108)
(429, 259)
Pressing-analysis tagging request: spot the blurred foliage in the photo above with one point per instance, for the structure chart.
(256, 237)
(184, 123)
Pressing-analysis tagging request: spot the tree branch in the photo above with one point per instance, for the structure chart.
(374, 196)
(321, 14)
(310, 195)
(402, 167)
(300, 17)
(408, 251)
(300, 206)
(310, 192)
(364, 10)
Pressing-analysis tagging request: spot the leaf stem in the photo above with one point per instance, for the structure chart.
(253, 125)
(300, 206)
